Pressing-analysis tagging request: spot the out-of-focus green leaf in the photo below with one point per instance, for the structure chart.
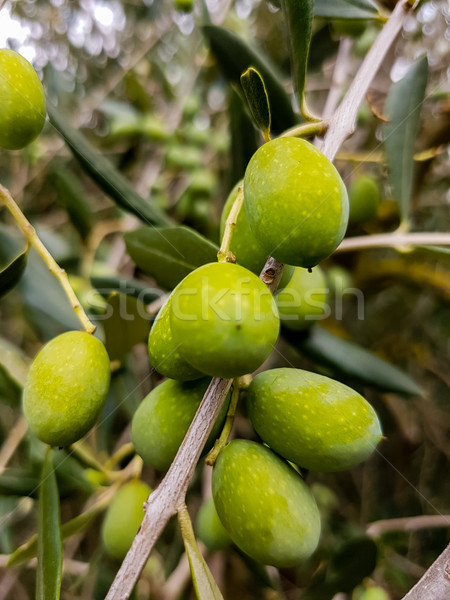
(13, 259)
(127, 323)
(18, 482)
(234, 57)
(204, 583)
(72, 196)
(256, 94)
(299, 17)
(106, 284)
(108, 178)
(353, 361)
(49, 568)
(13, 370)
(169, 254)
(403, 106)
(244, 141)
(346, 9)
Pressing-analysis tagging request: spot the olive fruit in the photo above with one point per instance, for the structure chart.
(224, 319)
(248, 251)
(124, 517)
(312, 420)
(66, 388)
(303, 300)
(164, 352)
(22, 101)
(210, 529)
(296, 202)
(264, 505)
(163, 418)
(364, 198)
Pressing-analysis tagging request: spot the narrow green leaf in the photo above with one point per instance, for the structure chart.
(106, 284)
(204, 583)
(403, 106)
(49, 569)
(127, 324)
(352, 361)
(299, 17)
(169, 254)
(244, 142)
(107, 177)
(13, 259)
(234, 57)
(18, 482)
(258, 100)
(346, 9)
(72, 196)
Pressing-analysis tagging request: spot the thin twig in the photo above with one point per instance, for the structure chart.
(394, 240)
(377, 528)
(53, 267)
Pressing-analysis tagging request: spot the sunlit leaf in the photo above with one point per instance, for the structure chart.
(403, 106)
(49, 569)
(256, 94)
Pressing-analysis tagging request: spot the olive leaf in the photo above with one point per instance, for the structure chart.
(234, 56)
(72, 196)
(13, 259)
(49, 551)
(299, 17)
(403, 106)
(346, 9)
(103, 172)
(169, 254)
(258, 100)
(244, 142)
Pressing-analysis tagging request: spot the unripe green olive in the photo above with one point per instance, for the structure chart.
(248, 251)
(303, 300)
(312, 420)
(296, 202)
(264, 505)
(224, 319)
(364, 197)
(210, 529)
(124, 517)
(164, 352)
(22, 101)
(66, 388)
(161, 421)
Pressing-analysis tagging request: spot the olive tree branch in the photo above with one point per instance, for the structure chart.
(435, 584)
(169, 497)
(378, 528)
(60, 274)
(395, 239)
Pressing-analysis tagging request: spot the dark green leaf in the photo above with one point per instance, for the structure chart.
(13, 259)
(18, 482)
(10, 390)
(127, 324)
(357, 363)
(72, 196)
(49, 569)
(108, 178)
(256, 94)
(169, 254)
(403, 106)
(346, 9)
(299, 18)
(234, 57)
(244, 142)
(106, 284)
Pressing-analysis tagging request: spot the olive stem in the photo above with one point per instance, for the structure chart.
(378, 528)
(225, 254)
(436, 581)
(30, 233)
(119, 455)
(315, 128)
(394, 240)
(222, 441)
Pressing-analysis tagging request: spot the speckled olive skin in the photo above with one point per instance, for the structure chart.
(225, 320)
(163, 351)
(264, 505)
(124, 517)
(162, 419)
(209, 527)
(296, 202)
(302, 302)
(248, 251)
(22, 101)
(312, 420)
(66, 388)
(364, 198)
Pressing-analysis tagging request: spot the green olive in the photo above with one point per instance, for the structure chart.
(264, 505)
(210, 529)
(312, 420)
(295, 201)
(22, 101)
(224, 320)
(364, 197)
(303, 300)
(123, 518)
(66, 388)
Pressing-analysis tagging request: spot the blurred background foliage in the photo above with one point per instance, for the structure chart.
(138, 80)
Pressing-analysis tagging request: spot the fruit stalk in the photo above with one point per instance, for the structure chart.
(225, 254)
(223, 439)
(34, 241)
